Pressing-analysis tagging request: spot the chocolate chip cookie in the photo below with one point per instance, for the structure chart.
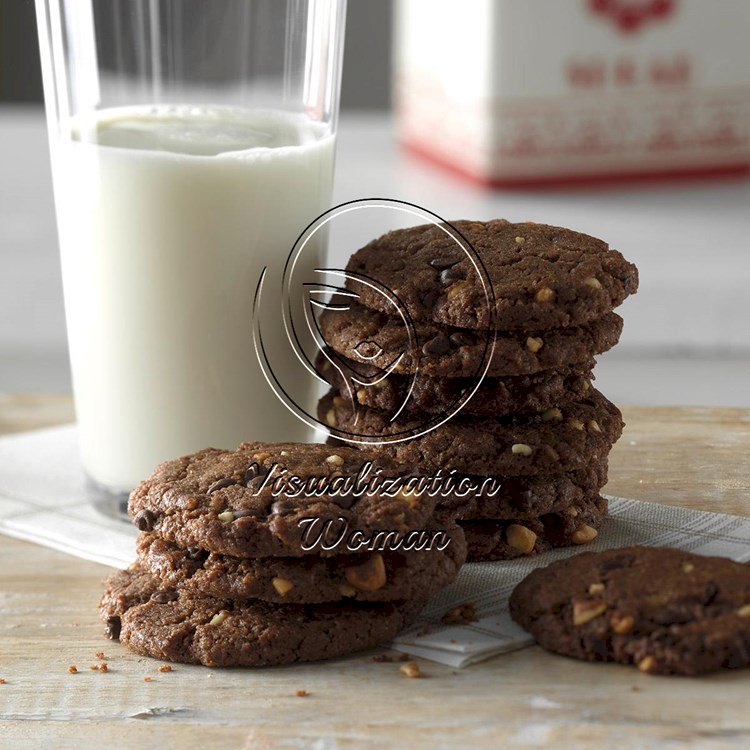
(177, 625)
(372, 576)
(570, 437)
(494, 397)
(382, 341)
(231, 502)
(489, 540)
(664, 610)
(541, 276)
(526, 497)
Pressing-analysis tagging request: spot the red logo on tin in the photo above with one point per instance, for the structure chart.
(631, 15)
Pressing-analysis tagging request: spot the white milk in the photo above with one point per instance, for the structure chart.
(166, 218)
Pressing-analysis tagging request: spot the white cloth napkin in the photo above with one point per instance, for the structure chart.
(43, 500)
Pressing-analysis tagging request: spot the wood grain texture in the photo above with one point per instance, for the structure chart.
(695, 457)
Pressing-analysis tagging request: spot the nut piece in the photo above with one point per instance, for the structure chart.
(583, 534)
(331, 418)
(534, 344)
(521, 449)
(282, 585)
(335, 460)
(545, 294)
(596, 588)
(593, 425)
(339, 401)
(520, 240)
(585, 610)
(744, 610)
(227, 515)
(219, 617)
(647, 664)
(550, 414)
(410, 669)
(457, 288)
(361, 395)
(369, 576)
(622, 623)
(576, 424)
(688, 567)
(410, 496)
(521, 538)
(347, 590)
(593, 282)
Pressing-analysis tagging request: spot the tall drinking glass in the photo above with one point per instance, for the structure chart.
(192, 142)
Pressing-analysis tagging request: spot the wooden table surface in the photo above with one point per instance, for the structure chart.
(691, 457)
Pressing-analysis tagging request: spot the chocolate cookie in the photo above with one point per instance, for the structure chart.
(566, 438)
(181, 626)
(526, 497)
(664, 610)
(541, 276)
(382, 341)
(493, 398)
(228, 502)
(489, 540)
(386, 576)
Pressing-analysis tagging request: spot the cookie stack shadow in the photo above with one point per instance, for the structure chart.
(519, 364)
(228, 573)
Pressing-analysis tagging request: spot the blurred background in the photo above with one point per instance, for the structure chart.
(438, 138)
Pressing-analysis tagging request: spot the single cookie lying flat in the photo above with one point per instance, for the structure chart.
(494, 397)
(489, 540)
(376, 339)
(542, 276)
(386, 576)
(216, 500)
(570, 437)
(662, 609)
(188, 627)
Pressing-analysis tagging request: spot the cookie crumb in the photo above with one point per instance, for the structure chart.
(165, 668)
(3, 681)
(382, 659)
(463, 614)
(103, 667)
(410, 669)
(100, 655)
(148, 679)
(72, 669)
(301, 693)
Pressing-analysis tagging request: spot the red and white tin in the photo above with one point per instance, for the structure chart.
(534, 92)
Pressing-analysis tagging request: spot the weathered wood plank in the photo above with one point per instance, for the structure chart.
(695, 457)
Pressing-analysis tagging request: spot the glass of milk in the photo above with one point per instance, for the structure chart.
(192, 142)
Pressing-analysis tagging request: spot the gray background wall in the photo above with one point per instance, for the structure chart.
(366, 83)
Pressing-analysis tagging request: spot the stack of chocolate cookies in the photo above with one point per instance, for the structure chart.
(232, 572)
(477, 357)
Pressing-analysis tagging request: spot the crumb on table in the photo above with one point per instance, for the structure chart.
(410, 669)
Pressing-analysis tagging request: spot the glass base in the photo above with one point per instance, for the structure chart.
(108, 501)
